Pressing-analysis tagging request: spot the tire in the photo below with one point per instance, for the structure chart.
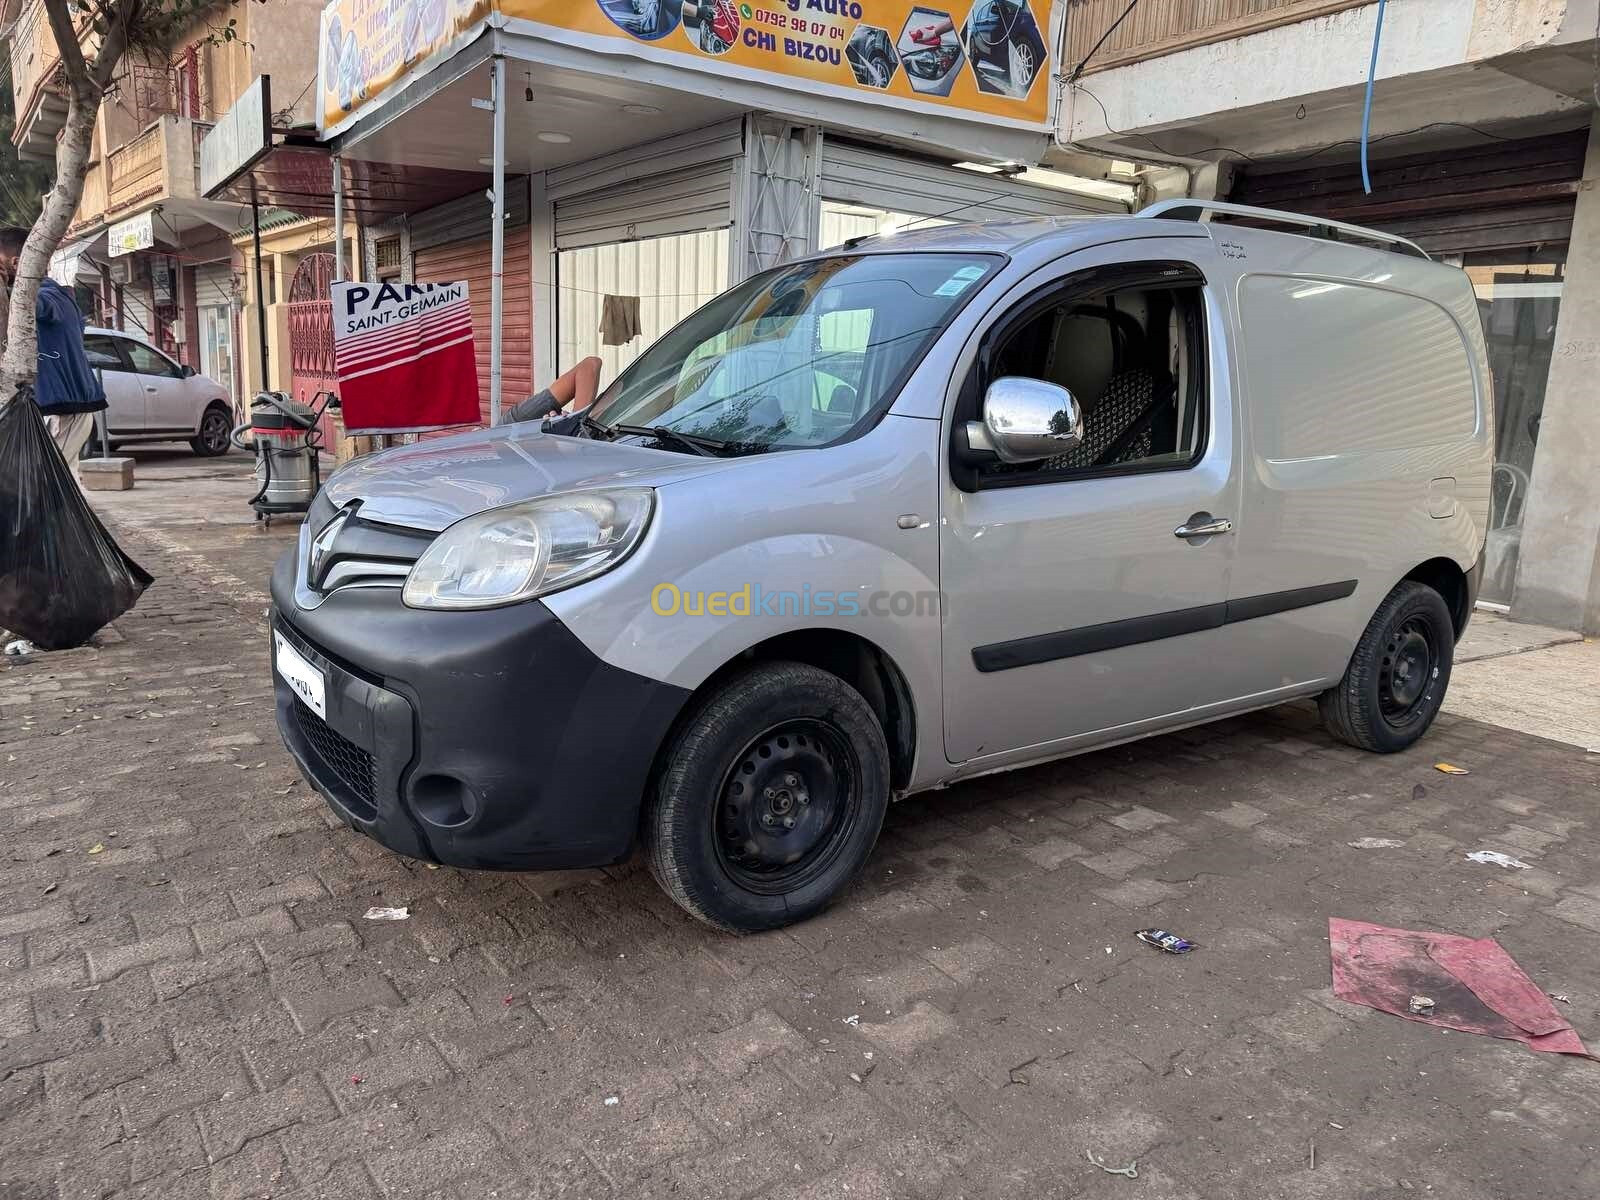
(1397, 677)
(216, 427)
(769, 800)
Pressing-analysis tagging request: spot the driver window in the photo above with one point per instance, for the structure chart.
(149, 361)
(1134, 360)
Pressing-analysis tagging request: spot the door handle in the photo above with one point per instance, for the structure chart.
(151, 390)
(1207, 528)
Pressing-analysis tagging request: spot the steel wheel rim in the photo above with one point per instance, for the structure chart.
(787, 806)
(1408, 673)
(214, 431)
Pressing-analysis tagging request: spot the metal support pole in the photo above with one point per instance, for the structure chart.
(338, 219)
(100, 419)
(497, 241)
(261, 295)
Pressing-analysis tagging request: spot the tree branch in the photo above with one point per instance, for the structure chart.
(112, 46)
(66, 35)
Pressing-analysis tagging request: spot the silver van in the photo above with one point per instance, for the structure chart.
(924, 507)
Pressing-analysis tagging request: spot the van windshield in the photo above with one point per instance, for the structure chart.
(802, 355)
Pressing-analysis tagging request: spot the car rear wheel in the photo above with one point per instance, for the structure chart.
(215, 428)
(1395, 683)
(770, 798)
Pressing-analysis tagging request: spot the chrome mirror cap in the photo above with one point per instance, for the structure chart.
(1027, 419)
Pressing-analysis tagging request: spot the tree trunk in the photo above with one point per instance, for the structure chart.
(20, 365)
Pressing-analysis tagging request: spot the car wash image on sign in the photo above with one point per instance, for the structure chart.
(404, 356)
(990, 57)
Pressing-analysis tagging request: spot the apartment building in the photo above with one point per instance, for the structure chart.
(147, 252)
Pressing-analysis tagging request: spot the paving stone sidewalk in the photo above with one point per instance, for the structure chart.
(191, 1004)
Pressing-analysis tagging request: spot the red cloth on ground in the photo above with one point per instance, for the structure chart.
(1475, 985)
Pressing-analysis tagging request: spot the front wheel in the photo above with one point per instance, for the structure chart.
(216, 430)
(770, 798)
(1396, 680)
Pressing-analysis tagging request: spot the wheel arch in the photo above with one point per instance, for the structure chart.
(862, 664)
(1445, 576)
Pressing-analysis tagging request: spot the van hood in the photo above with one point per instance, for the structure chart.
(434, 483)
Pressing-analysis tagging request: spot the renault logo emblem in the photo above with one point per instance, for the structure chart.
(320, 546)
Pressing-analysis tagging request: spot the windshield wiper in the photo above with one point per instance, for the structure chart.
(585, 421)
(684, 441)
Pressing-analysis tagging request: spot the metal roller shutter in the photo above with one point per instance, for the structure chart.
(469, 261)
(898, 183)
(467, 218)
(213, 284)
(1484, 197)
(682, 184)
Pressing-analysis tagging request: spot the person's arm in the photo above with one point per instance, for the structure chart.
(929, 34)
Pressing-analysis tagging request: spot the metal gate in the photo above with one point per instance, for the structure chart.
(311, 328)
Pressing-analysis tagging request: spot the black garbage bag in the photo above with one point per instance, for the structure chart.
(62, 577)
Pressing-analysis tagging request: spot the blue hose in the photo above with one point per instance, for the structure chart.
(1366, 108)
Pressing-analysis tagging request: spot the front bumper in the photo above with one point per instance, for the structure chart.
(490, 739)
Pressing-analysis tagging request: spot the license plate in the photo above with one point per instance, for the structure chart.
(299, 674)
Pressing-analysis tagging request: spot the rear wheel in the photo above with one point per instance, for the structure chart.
(1396, 680)
(215, 428)
(770, 799)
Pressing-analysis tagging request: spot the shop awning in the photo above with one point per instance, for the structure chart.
(297, 174)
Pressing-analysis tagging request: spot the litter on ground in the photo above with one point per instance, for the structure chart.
(1475, 986)
(1494, 858)
(388, 914)
(1131, 1170)
(1162, 940)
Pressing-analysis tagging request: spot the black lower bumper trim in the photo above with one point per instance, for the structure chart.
(491, 739)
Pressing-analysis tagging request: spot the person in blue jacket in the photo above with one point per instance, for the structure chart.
(66, 390)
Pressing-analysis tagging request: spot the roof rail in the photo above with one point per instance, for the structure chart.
(1317, 227)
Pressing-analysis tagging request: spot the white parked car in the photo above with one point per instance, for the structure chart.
(151, 398)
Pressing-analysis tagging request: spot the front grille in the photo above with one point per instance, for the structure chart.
(354, 767)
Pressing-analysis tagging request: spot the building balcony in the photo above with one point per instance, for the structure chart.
(159, 166)
(1198, 80)
(1151, 30)
(36, 97)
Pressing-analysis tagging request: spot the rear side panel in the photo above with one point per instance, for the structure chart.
(1368, 426)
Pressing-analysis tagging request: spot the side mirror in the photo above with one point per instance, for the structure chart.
(1025, 420)
(187, 372)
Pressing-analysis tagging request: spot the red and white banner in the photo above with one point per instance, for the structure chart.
(404, 355)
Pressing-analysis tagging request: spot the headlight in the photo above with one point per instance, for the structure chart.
(525, 550)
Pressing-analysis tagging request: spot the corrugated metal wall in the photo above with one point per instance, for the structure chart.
(841, 222)
(470, 261)
(881, 179)
(672, 276)
(468, 217)
(1482, 197)
(674, 185)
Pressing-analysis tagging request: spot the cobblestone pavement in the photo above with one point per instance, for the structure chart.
(191, 1004)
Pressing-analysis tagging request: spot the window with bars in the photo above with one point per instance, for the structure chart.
(386, 252)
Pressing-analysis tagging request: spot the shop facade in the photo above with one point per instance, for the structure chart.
(644, 180)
